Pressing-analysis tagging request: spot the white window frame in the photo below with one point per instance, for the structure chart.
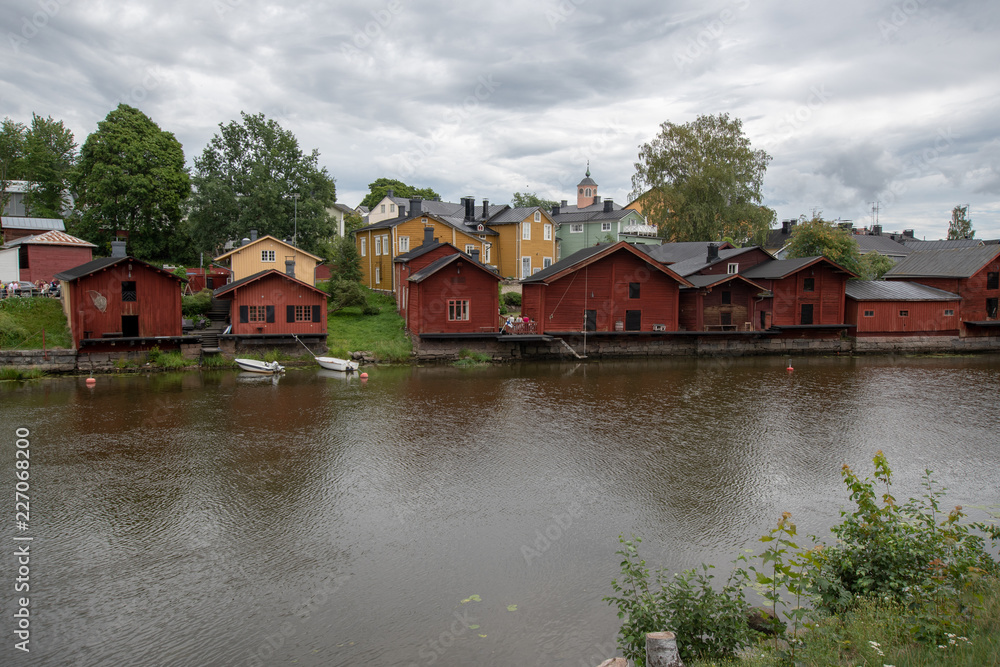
(404, 244)
(525, 261)
(382, 208)
(949, 312)
(364, 249)
(458, 310)
(546, 262)
(487, 247)
(605, 226)
(469, 247)
(392, 208)
(378, 275)
(386, 248)
(538, 216)
(576, 228)
(525, 231)
(267, 255)
(378, 246)
(547, 232)
(733, 268)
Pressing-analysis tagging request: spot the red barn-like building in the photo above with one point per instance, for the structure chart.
(896, 307)
(42, 256)
(971, 273)
(613, 287)
(412, 262)
(807, 292)
(113, 302)
(454, 293)
(272, 303)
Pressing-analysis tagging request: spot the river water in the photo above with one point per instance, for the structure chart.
(439, 515)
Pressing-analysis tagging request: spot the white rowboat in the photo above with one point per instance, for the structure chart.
(335, 364)
(254, 366)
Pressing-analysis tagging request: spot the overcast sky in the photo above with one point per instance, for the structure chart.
(856, 100)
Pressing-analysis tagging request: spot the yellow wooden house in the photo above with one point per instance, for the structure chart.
(526, 241)
(267, 253)
(380, 243)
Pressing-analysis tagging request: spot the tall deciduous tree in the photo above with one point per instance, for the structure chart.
(378, 188)
(50, 158)
(527, 200)
(960, 226)
(246, 178)
(702, 181)
(821, 237)
(12, 140)
(132, 178)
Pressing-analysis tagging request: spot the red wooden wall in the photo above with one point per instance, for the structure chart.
(746, 260)
(603, 286)
(973, 292)
(922, 317)
(44, 261)
(277, 291)
(427, 310)
(403, 271)
(698, 311)
(157, 304)
(827, 297)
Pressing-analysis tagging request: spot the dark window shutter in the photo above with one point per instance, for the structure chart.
(317, 314)
(244, 314)
(270, 314)
(289, 313)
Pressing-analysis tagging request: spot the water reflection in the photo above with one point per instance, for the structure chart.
(191, 518)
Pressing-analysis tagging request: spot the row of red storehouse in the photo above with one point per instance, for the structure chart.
(706, 287)
(676, 287)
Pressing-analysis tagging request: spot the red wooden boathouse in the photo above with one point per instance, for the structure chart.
(612, 287)
(271, 303)
(42, 256)
(454, 293)
(901, 308)
(116, 302)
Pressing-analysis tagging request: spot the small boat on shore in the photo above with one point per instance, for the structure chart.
(255, 366)
(335, 364)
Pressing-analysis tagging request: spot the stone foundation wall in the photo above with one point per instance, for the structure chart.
(53, 361)
(232, 347)
(693, 346)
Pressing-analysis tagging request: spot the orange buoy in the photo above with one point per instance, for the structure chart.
(789, 369)
(363, 376)
(91, 381)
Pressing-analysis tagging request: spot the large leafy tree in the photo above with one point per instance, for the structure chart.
(378, 189)
(246, 178)
(821, 237)
(702, 181)
(43, 154)
(132, 178)
(960, 226)
(529, 199)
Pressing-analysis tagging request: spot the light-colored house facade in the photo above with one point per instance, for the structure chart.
(267, 253)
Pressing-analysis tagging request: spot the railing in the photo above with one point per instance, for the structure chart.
(518, 326)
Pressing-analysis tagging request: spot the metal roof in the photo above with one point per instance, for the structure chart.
(883, 245)
(96, 265)
(698, 263)
(257, 276)
(442, 262)
(780, 268)
(955, 263)
(52, 237)
(895, 290)
(678, 252)
(701, 280)
(16, 222)
(917, 244)
(581, 256)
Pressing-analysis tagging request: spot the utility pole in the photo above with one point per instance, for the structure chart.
(295, 229)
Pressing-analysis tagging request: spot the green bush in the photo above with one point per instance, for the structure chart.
(512, 299)
(196, 304)
(709, 625)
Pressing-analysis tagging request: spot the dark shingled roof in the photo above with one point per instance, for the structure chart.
(587, 253)
(781, 268)
(703, 281)
(442, 262)
(883, 245)
(956, 263)
(700, 262)
(421, 250)
(513, 215)
(257, 276)
(670, 253)
(95, 265)
(895, 290)
(917, 244)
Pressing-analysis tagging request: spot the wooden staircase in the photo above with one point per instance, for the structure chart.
(217, 315)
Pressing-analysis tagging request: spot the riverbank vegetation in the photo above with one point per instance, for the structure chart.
(902, 584)
(373, 327)
(22, 320)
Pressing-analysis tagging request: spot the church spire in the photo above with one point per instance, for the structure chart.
(586, 190)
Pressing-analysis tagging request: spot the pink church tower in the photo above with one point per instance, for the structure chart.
(586, 190)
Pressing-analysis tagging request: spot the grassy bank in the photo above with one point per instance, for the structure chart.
(901, 584)
(22, 320)
(349, 330)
